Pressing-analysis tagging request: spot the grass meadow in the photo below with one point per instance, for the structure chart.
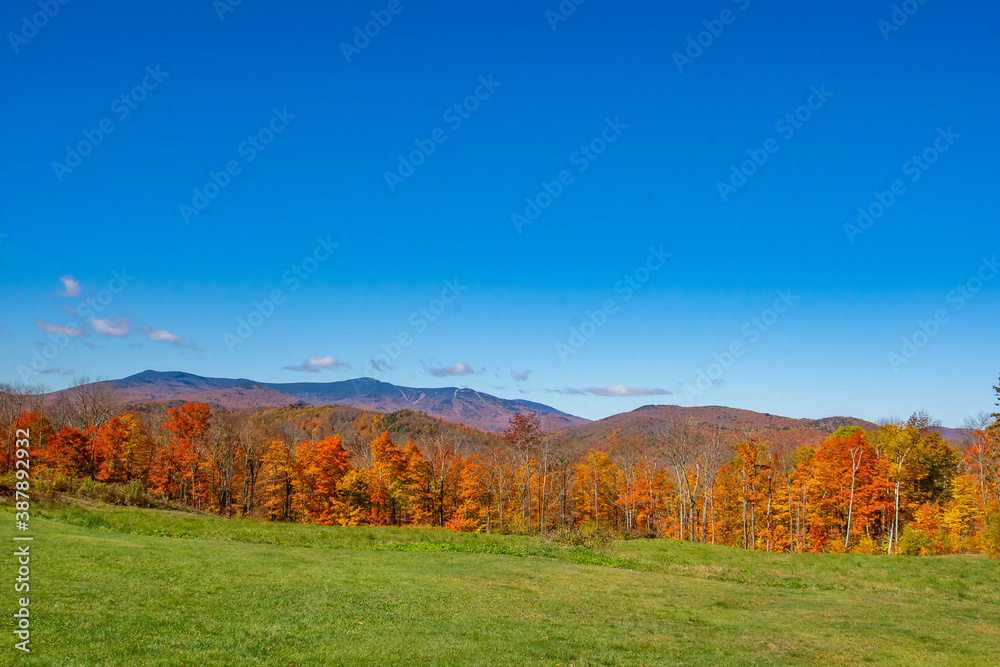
(124, 586)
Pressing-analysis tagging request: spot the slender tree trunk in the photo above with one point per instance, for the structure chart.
(850, 505)
(770, 495)
(895, 523)
(500, 501)
(704, 518)
(791, 521)
(691, 519)
(746, 537)
(597, 508)
(713, 514)
(982, 486)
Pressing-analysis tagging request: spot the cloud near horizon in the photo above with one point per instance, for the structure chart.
(520, 377)
(317, 363)
(457, 368)
(621, 390)
(616, 390)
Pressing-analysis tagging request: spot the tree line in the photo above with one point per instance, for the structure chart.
(898, 487)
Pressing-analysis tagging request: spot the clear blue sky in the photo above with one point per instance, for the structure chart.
(206, 85)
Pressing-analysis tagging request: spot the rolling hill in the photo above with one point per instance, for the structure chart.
(644, 420)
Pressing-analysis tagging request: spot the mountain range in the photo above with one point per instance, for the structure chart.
(466, 406)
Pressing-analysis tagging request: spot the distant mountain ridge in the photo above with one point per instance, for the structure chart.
(467, 406)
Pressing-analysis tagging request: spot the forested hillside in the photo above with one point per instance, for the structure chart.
(779, 485)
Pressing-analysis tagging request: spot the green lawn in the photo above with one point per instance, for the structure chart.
(147, 587)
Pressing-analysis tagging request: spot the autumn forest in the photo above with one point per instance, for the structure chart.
(897, 488)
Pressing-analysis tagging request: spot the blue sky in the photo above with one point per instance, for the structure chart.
(831, 103)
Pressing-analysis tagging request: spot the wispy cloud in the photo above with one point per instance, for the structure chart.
(164, 336)
(568, 390)
(379, 365)
(613, 390)
(161, 335)
(621, 390)
(317, 363)
(106, 327)
(48, 327)
(71, 286)
(520, 377)
(457, 368)
(56, 371)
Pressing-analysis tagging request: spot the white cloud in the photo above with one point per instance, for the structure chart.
(520, 377)
(316, 363)
(71, 287)
(105, 327)
(613, 390)
(71, 331)
(164, 336)
(457, 368)
(161, 335)
(621, 390)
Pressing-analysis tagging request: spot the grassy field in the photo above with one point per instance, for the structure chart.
(150, 587)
